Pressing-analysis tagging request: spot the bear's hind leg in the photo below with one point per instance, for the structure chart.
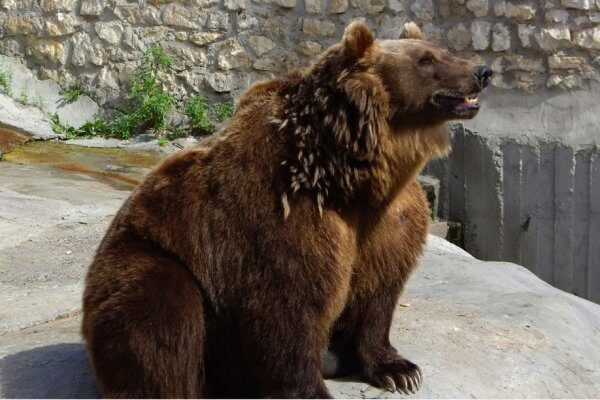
(145, 327)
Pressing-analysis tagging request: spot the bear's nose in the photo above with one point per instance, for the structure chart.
(483, 74)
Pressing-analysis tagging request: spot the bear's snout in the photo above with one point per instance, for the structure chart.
(483, 75)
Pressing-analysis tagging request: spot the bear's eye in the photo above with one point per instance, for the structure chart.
(426, 60)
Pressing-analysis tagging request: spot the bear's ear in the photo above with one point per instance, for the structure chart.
(411, 31)
(357, 39)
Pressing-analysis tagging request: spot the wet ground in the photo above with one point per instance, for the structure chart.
(121, 168)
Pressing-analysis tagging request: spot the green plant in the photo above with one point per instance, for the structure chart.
(38, 102)
(162, 141)
(147, 105)
(224, 110)
(196, 108)
(72, 93)
(24, 98)
(6, 80)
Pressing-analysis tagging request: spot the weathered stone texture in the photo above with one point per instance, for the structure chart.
(459, 37)
(221, 46)
(480, 30)
(479, 7)
(110, 32)
(500, 37)
(92, 7)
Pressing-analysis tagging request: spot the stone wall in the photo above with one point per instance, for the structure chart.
(222, 46)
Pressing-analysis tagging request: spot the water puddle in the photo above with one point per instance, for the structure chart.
(123, 169)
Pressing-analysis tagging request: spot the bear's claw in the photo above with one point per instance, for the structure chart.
(396, 375)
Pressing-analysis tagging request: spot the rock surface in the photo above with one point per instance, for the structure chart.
(477, 329)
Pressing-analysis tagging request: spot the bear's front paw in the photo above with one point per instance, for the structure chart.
(396, 374)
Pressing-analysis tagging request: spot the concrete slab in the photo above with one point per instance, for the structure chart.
(45, 95)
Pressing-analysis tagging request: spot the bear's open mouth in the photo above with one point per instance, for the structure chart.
(457, 104)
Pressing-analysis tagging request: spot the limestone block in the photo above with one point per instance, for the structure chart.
(553, 38)
(315, 29)
(46, 50)
(314, 6)
(177, 15)
(431, 32)
(20, 25)
(84, 51)
(245, 21)
(589, 38)
(217, 21)
(92, 7)
(480, 30)
(390, 27)
(396, 5)
(562, 61)
(479, 7)
(280, 63)
(523, 12)
(578, 4)
(287, 3)
(61, 24)
(337, 6)
(235, 5)
(309, 48)
(221, 82)
(499, 8)
(110, 32)
(459, 37)
(525, 33)
(202, 38)
(369, 6)
(423, 9)
(260, 44)
(559, 16)
(57, 5)
(232, 55)
(500, 37)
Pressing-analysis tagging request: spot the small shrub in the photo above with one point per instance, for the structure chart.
(24, 98)
(6, 80)
(196, 108)
(224, 110)
(72, 93)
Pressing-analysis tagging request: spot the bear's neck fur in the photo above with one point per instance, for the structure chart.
(341, 147)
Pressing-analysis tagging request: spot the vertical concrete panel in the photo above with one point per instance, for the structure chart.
(545, 212)
(593, 278)
(439, 169)
(456, 176)
(528, 249)
(563, 224)
(491, 218)
(474, 195)
(581, 222)
(512, 201)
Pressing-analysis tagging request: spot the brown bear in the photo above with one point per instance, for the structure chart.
(233, 267)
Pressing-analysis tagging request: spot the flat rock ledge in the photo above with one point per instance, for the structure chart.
(476, 329)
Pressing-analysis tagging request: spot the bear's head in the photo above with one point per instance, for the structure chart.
(424, 82)
(368, 114)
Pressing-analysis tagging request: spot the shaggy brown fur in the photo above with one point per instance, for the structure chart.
(232, 267)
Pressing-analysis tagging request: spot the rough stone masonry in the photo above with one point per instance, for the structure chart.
(220, 46)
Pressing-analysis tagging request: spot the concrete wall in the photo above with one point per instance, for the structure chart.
(221, 46)
(526, 189)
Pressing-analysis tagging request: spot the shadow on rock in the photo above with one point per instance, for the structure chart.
(56, 371)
